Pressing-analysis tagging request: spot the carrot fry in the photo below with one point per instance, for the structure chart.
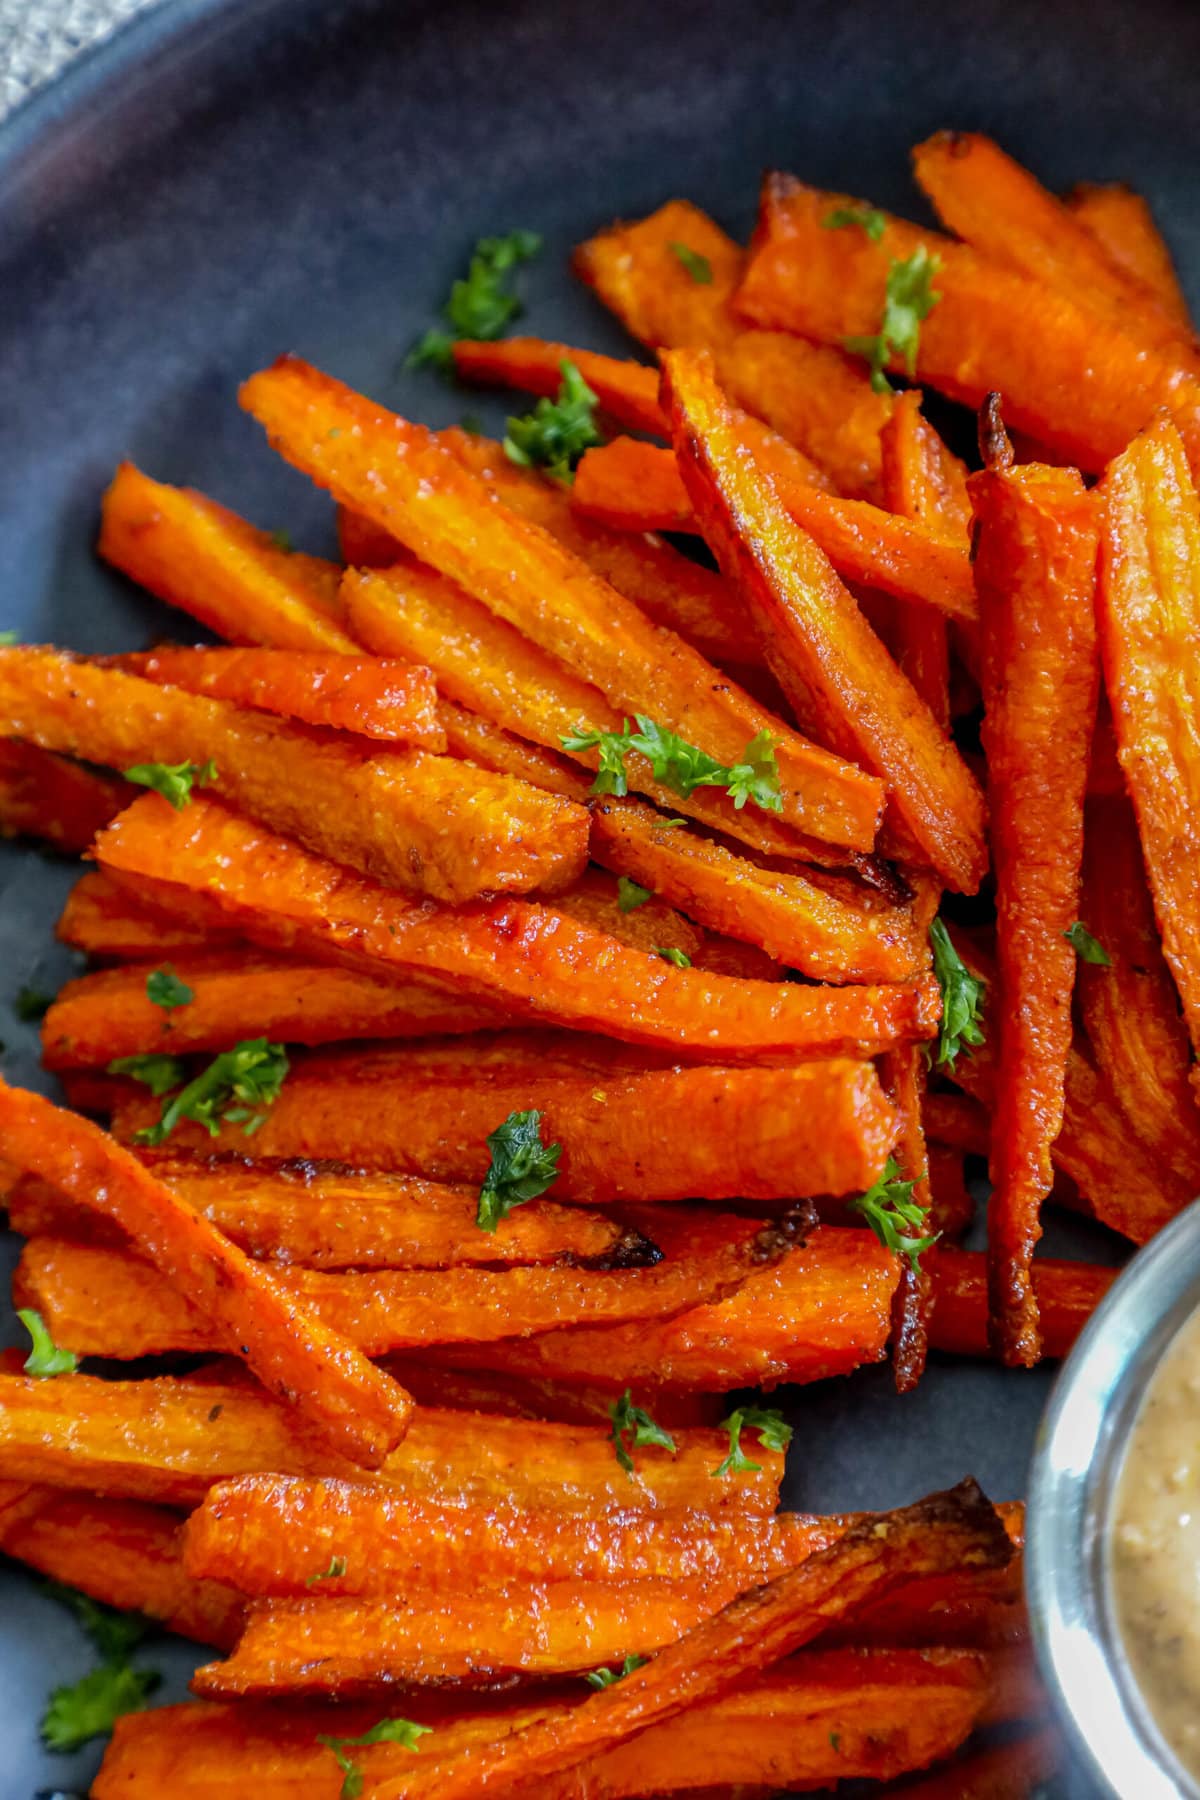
(953, 1206)
(47, 797)
(627, 391)
(399, 476)
(1011, 1771)
(815, 397)
(955, 1121)
(921, 479)
(827, 659)
(596, 900)
(103, 918)
(903, 1075)
(540, 1397)
(362, 694)
(123, 1553)
(530, 958)
(202, 558)
(352, 1405)
(475, 739)
(109, 1014)
(1124, 226)
(754, 1631)
(1074, 383)
(1149, 618)
(638, 487)
(168, 1440)
(627, 1133)
(1001, 210)
(331, 1218)
(1067, 1294)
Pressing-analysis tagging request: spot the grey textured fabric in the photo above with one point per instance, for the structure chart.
(39, 37)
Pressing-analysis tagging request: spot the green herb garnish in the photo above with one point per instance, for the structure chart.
(697, 266)
(252, 1074)
(962, 999)
(630, 895)
(337, 1568)
(669, 953)
(31, 1004)
(894, 1216)
(174, 781)
(45, 1358)
(164, 988)
(522, 1167)
(388, 1731)
(1086, 947)
(629, 1419)
(774, 1433)
(89, 1708)
(155, 1070)
(681, 766)
(557, 432)
(873, 222)
(604, 1678)
(481, 303)
(908, 299)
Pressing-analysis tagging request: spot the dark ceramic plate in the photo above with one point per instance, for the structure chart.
(231, 178)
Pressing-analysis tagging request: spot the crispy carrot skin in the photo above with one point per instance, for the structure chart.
(48, 797)
(377, 699)
(747, 1636)
(627, 391)
(1149, 617)
(236, 580)
(353, 1405)
(108, 1014)
(1123, 224)
(1035, 560)
(626, 1134)
(529, 957)
(1074, 383)
(325, 1217)
(816, 397)
(826, 657)
(399, 476)
(168, 1440)
(1067, 1294)
(104, 919)
(637, 486)
(124, 1553)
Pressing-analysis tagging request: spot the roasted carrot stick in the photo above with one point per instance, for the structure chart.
(529, 957)
(754, 1631)
(815, 397)
(1067, 1294)
(236, 580)
(626, 1133)
(397, 475)
(416, 820)
(903, 1076)
(953, 1120)
(104, 919)
(475, 739)
(826, 657)
(48, 797)
(541, 1397)
(1074, 383)
(627, 391)
(597, 899)
(123, 1553)
(330, 1218)
(1011, 1771)
(638, 487)
(363, 694)
(351, 1404)
(921, 481)
(1124, 226)
(1150, 641)
(109, 1014)
(951, 1202)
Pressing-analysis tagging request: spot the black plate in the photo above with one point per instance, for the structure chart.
(227, 180)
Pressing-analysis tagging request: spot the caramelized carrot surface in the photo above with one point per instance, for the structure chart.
(627, 391)
(1067, 1294)
(1123, 224)
(105, 919)
(51, 798)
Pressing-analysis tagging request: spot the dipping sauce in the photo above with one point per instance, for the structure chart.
(1155, 1546)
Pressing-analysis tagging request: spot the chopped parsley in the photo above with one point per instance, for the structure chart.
(603, 1678)
(669, 953)
(252, 1074)
(873, 222)
(962, 999)
(630, 1420)
(388, 1731)
(164, 988)
(282, 540)
(522, 1167)
(45, 1358)
(557, 432)
(681, 766)
(1086, 947)
(774, 1433)
(630, 895)
(697, 266)
(908, 299)
(31, 1004)
(155, 1070)
(481, 303)
(337, 1567)
(174, 781)
(8, 637)
(90, 1707)
(894, 1216)
(115, 1634)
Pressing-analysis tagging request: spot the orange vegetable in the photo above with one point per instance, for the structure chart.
(477, 740)
(826, 657)
(952, 1119)
(539, 1397)
(1011, 1771)
(47, 797)
(921, 478)
(1069, 379)
(596, 900)
(102, 918)
(953, 1206)
(352, 1405)
(202, 558)
(627, 391)
(1067, 1294)
(815, 397)
(632, 486)
(903, 1076)
(398, 475)
(412, 819)
(528, 957)
(1123, 224)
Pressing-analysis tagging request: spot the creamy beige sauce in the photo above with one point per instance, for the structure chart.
(1155, 1546)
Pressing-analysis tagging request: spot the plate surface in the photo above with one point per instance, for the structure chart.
(225, 181)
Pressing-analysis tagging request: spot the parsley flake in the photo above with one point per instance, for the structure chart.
(91, 1707)
(174, 781)
(962, 999)
(1086, 946)
(873, 222)
(388, 1731)
(114, 1633)
(557, 432)
(630, 895)
(481, 303)
(774, 1433)
(8, 637)
(282, 540)
(155, 1070)
(31, 1004)
(894, 1215)
(45, 1359)
(604, 1678)
(908, 299)
(164, 988)
(697, 266)
(628, 1418)
(522, 1167)
(337, 1567)
(679, 958)
(681, 766)
(252, 1073)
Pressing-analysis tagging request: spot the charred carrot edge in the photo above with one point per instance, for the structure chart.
(1075, 384)
(1067, 1294)
(1009, 1771)
(1035, 561)
(814, 396)
(1123, 224)
(627, 391)
(902, 1073)
(125, 1554)
(202, 558)
(104, 919)
(530, 958)
(395, 473)
(49, 797)
(364, 694)
(825, 656)
(1149, 618)
(953, 1530)
(985, 196)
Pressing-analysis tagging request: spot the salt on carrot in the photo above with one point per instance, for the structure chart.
(627, 391)
(104, 919)
(1035, 566)
(398, 475)
(825, 655)
(354, 1406)
(196, 555)
(1123, 224)
(1067, 1294)
(528, 958)
(415, 820)
(49, 797)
